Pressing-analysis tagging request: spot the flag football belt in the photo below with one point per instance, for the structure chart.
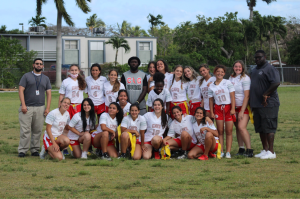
(165, 152)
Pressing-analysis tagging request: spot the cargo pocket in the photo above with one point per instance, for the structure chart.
(272, 123)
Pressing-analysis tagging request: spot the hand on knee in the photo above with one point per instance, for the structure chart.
(124, 136)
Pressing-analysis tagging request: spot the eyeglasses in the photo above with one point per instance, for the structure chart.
(38, 64)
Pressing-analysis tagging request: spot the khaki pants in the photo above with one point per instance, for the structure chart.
(31, 123)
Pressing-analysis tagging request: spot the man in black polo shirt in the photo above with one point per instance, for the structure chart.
(264, 102)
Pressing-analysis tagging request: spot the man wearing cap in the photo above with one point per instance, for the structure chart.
(135, 82)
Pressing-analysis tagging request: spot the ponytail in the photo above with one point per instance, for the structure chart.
(120, 114)
(117, 84)
(81, 80)
(202, 79)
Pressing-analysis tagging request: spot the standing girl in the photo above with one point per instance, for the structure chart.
(123, 101)
(79, 128)
(241, 83)
(193, 78)
(134, 124)
(111, 88)
(157, 123)
(159, 92)
(161, 66)
(222, 92)
(56, 122)
(95, 89)
(151, 71)
(178, 91)
(103, 137)
(204, 83)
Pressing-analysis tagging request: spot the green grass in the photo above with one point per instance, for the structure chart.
(238, 177)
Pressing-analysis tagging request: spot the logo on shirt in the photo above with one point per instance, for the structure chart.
(193, 86)
(158, 126)
(133, 128)
(75, 87)
(112, 126)
(219, 91)
(95, 87)
(132, 80)
(175, 89)
(184, 129)
(260, 72)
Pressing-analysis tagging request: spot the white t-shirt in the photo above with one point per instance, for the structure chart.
(95, 89)
(109, 95)
(152, 82)
(240, 85)
(178, 94)
(221, 92)
(204, 91)
(186, 124)
(194, 90)
(126, 108)
(76, 122)
(201, 136)
(58, 122)
(154, 126)
(165, 96)
(70, 89)
(108, 121)
(137, 125)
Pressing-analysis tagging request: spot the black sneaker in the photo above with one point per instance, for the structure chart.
(249, 153)
(105, 156)
(175, 154)
(183, 156)
(122, 156)
(240, 152)
(21, 155)
(35, 154)
(99, 153)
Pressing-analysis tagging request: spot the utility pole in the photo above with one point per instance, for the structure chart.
(21, 24)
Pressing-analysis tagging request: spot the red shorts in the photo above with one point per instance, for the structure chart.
(73, 109)
(74, 142)
(193, 106)
(207, 111)
(222, 112)
(179, 143)
(182, 105)
(106, 109)
(110, 143)
(99, 109)
(203, 148)
(147, 143)
(238, 109)
(47, 142)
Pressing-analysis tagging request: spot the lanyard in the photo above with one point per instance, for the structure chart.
(36, 83)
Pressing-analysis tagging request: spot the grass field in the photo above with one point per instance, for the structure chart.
(237, 177)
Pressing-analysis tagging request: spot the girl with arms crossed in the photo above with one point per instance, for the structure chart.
(122, 100)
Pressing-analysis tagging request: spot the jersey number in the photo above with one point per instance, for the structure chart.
(155, 132)
(75, 94)
(222, 98)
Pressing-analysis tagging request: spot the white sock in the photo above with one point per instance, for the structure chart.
(242, 147)
(84, 154)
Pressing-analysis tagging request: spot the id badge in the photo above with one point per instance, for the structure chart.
(37, 92)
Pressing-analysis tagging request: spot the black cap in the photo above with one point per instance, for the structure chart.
(131, 58)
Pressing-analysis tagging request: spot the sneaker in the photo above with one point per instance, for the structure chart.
(240, 152)
(66, 152)
(175, 154)
(98, 152)
(183, 156)
(72, 154)
(228, 155)
(43, 153)
(203, 157)
(84, 155)
(222, 155)
(122, 156)
(262, 153)
(156, 155)
(105, 156)
(35, 154)
(63, 155)
(21, 155)
(268, 155)
(211, 155)
(249, 153)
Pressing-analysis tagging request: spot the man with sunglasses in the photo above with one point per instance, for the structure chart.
(32, 88)
(264, 102)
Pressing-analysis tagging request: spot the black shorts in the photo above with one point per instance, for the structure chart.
(265, 119)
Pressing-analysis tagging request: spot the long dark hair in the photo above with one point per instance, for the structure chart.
(205, 66)
(163, 116)
(120, 91)
(177, 107)
(117, 84)
(81, 80)
(204, 114)
(149, 64)
(120, 114)
(92, 115)
(98, 66)
(165, 64)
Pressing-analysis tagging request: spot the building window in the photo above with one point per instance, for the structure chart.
(145, 52)
(71, 52)
(96, 52)
(71, 44)
(144, 46)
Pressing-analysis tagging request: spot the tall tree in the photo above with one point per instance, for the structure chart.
(94, 22)
(61, 13)
(118, 42)
(155, 21)
(38, 21)
(264, 25)
(252, 3)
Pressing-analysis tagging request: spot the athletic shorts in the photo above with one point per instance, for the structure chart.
(110, 143)
(207, 111)
(180, 146)
(265, 119)
(222, 112)
(193, 106)
(201, 146)
(99, 109)
(106, 109)
(182, 105)
(47, 142)
(74, 142)
(238, 110)
(73, 109)
(148, 143)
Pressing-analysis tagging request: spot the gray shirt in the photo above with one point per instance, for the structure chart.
(30, 82)
(261, 79)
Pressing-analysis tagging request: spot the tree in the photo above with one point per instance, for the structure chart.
(155, 21)
(264, 25)
(38, 21)
(3, 29)
(94, 22)
(61, 13)
(252, 3)
(118, 42)
(294, 50)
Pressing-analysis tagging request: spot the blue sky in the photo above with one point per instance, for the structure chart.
(112, 12)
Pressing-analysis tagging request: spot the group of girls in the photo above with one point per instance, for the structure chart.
(74, 122)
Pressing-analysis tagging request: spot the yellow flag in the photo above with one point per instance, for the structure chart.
(165, 152)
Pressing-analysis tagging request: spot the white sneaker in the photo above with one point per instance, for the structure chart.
(228, 155)
(84, 155)
(222, 155)
(262, 153)
(43, 153)
(63, 155)
(268, 155)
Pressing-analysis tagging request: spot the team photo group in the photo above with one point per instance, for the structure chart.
(176, 119)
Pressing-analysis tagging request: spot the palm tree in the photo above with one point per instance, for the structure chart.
(61, 13)
(264, 25)
(252, 3)
(118, 42)
(124, 29)
(155, 21)
(94, 22)
(38, 21)
(138, 32)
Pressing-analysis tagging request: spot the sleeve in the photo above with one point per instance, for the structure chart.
(192, 118)
(212, 126)
(273, 75)
(125, 122)
(230, 86)
(74, 120)
(143, 124)
(246, 83)
(62, 89)
(145, 82)
(122, 86)
(171, 131)
(68, 120)
(146, 116)
(152, 84)
(23, 81)
(50, 118)
(103, 119)
(87, 85)
(123, 80)
(48, 85)
(149, 100)
(210, 93)
(168, 96)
